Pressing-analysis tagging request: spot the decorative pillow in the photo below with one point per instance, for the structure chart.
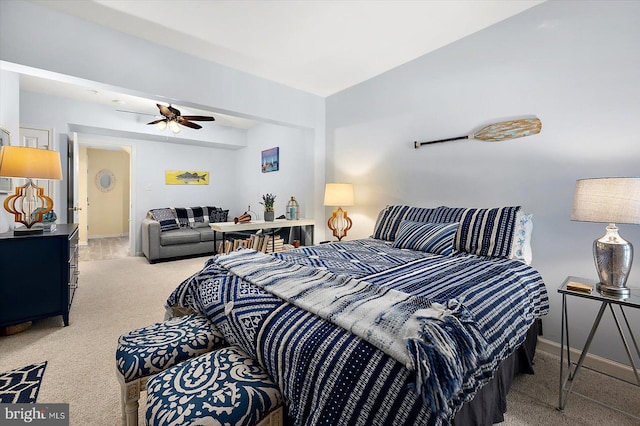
(199, 214)
(185, 217)
(216, 214)
(388, 221)
(419, 214)
(444, 214)
(436, 238)
(487, 232)
(166, 217)
(521, 246)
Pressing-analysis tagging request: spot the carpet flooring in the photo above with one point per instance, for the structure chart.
(120, 294)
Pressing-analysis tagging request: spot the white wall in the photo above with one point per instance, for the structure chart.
(573, 64)
(295, 176)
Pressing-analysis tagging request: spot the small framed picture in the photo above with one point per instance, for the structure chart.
(271, 160)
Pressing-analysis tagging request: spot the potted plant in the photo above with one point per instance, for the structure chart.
(267, 201)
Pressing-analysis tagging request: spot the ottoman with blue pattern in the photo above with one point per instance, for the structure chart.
(223, 387)
(149, 350)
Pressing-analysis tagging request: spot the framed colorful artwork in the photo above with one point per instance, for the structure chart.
(271, 160)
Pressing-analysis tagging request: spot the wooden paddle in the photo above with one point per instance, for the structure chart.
(498, 131)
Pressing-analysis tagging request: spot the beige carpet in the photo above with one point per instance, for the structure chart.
(118, 295)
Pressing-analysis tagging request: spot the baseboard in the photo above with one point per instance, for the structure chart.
(604, 365)
(108, 236)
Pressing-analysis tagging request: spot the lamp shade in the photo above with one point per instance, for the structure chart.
(33, 163)
(607, 200)
(338, 194)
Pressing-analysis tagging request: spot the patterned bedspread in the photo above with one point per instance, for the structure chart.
(329, 376)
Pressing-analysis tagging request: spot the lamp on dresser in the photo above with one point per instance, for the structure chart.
(338, 195)
(609, 200)
(29, 203)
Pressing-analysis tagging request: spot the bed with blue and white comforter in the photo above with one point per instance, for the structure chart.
(466, 314)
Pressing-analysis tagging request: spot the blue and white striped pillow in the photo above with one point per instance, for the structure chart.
(388, 222)
(487, 232)
(390, 217)
(436, 238)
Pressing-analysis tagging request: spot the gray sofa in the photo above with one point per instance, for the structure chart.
(159, 245)
(178, 232)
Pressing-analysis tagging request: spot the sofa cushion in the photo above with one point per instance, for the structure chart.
(206, 234)
(179, 236)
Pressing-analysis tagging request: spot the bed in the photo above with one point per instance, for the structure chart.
(425, 322)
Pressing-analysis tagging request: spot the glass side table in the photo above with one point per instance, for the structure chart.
(568, 378)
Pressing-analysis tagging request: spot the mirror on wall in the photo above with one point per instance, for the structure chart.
(105, 180)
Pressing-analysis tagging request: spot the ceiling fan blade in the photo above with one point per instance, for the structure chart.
(158, 121)
(198, 118)
(175, 111)
(189, 124)
(165, 111)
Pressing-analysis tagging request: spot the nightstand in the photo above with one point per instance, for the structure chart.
(632, 302)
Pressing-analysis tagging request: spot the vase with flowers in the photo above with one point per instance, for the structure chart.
(268, 201)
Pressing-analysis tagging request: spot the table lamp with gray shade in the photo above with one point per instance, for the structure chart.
(609, 200)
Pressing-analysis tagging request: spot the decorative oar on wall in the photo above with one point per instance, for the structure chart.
(498, 132)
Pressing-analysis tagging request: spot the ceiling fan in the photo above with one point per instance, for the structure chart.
(172, 118)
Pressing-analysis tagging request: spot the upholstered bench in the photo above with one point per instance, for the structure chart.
(149, 350)
(223, 387)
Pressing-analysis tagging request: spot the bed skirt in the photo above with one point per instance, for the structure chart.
(490, 403)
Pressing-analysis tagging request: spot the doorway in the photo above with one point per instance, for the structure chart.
(103, 202)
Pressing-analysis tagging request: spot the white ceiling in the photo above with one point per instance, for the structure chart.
(321, 47)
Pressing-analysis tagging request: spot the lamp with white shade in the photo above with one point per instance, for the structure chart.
(338, 195)
(609, 200)
(29, 203)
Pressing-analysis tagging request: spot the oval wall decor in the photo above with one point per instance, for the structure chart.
(105, 180)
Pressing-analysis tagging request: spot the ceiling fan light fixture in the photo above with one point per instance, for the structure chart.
(173, 125)
(161, 125)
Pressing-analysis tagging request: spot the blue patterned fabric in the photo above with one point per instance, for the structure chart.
(152, 349)
(487, 232)
(388, 222)
(419, 214)
(223, 387)
(436, 238)
(21, 386)
(166, 217)
(329, 376)
(216, 214)
(444, 214)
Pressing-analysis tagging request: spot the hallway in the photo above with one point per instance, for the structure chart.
(105, 248)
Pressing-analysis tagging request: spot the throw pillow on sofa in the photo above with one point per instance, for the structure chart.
(216, 214)
(189, 216)
(166, 217)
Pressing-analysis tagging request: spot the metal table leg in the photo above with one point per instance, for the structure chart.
(572, 374)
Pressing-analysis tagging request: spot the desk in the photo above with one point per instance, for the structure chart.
(632, 302)
(255, 225)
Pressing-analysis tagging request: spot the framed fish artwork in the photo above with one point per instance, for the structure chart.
(186, 177)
